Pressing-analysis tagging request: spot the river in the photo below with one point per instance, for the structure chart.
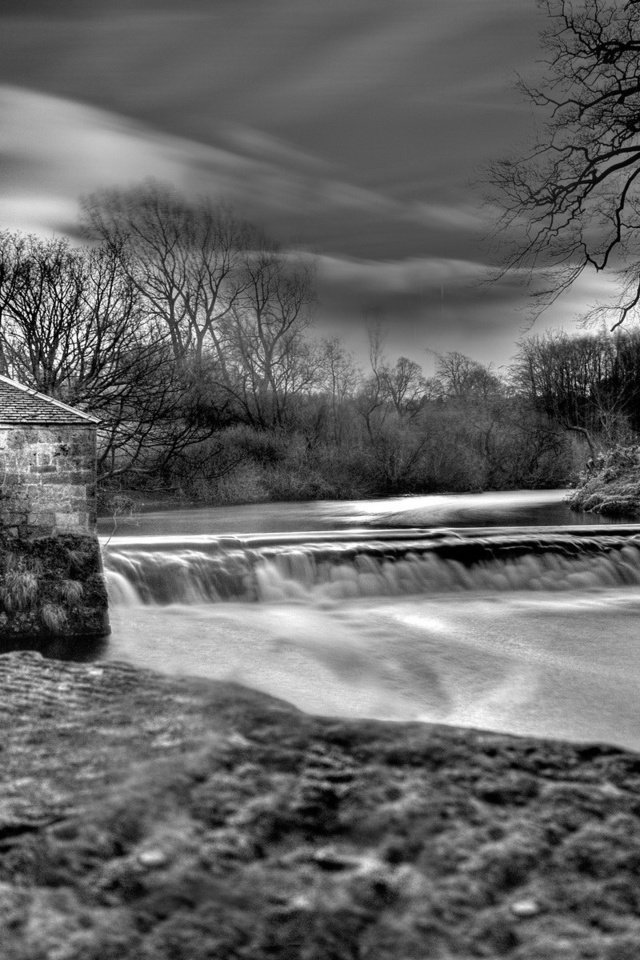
(503, 611)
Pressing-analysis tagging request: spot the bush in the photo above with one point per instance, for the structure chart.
(70, 591)
(19, 590)
(611, 485)
(53, 617)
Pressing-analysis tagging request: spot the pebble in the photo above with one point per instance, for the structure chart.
(152, 858)
(331, 859)
(525, 908)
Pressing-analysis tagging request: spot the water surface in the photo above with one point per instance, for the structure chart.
(510, 508)
(501, 611)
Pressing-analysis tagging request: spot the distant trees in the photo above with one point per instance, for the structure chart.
(183, 260)
(266, 362)
(234, 307)
(589, 384)
(389, 402)
(338, 383)
(573, 198)
(500, 439)
(190, 335)
(461, 378)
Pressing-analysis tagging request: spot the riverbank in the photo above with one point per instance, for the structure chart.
(161, 818)
(611, 485)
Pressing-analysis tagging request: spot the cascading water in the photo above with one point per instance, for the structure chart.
(528, 629)
(212, 569)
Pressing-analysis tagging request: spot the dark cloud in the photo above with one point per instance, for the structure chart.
(354, 130)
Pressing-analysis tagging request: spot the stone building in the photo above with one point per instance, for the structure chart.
(50, 571)
(47, 464)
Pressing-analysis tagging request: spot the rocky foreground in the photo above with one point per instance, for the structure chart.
(171, 819)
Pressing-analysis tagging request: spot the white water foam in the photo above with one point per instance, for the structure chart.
(559, 665)
(489, 629)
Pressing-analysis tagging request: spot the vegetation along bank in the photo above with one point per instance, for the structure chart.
(191, 337)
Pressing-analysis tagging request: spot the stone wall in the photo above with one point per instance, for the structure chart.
(51, 581)
(47, 480)
(51, 587)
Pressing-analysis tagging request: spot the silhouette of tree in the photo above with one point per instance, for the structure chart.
(572, 202)
(72, 326)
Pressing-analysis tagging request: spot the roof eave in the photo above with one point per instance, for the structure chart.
(79, 414)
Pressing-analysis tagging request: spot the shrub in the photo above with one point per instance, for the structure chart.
(53, 617)
(70, 591)
(611, 485)
(19, 590)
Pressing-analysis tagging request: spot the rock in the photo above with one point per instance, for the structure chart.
(152, 858)
(525, 908)
(179, 819)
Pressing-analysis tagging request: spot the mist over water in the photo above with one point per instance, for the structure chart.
(379, 609)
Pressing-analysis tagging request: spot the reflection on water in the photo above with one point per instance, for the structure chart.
(510, 508)
(525, 631)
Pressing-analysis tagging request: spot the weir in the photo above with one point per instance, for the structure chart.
(335, 565)
(382, 610)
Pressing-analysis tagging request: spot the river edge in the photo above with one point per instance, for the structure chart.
(166, 818)
(611, 485)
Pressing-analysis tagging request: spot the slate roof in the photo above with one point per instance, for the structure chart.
(22, 405)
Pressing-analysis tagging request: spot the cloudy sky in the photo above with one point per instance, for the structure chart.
(356, 129)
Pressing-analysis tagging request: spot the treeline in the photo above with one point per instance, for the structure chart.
(190, 334)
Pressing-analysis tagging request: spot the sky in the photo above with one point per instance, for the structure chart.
(357, 130)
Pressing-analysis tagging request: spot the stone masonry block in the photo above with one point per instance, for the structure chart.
(63, 492)
(17, 438)
(64, 478)
(46, 519)
(72, 522)
(12, 478)
(47, 478)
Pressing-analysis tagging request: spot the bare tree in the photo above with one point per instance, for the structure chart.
(43, 288)
(184, 260)
(400, 387)
(339, 379)
(587, 384)
(390, 402)
(268, 360)
(72, 326)
(572, 202)
(69, 320)
(234, 306)
(462, 378)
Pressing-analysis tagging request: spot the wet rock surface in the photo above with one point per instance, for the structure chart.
(163, 818)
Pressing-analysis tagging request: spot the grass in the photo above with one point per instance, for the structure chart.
(19, 590)
(51, 586)
(54, 617)
(70, 591)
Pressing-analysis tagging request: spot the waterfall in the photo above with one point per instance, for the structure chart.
(318, 567)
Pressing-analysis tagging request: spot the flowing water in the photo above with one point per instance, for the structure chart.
(500, 611)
